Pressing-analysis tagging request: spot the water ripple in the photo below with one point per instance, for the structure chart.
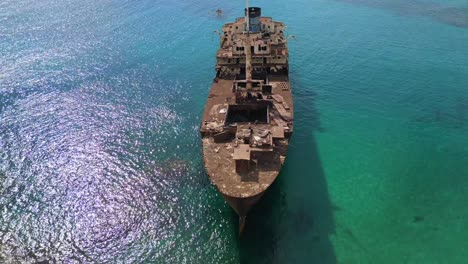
(70, 192)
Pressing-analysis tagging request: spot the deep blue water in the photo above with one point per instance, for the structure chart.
(100, 158)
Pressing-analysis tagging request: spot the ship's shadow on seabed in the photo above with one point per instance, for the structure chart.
(294, 220)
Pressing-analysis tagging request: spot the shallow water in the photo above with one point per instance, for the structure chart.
(100, 104)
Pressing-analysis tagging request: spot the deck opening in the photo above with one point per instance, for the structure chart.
(247, 113)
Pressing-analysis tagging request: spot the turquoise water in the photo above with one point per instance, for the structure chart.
(100, 103)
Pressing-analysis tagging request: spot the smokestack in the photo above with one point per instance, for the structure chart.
(253, 15)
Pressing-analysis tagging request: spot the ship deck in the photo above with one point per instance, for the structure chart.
(219, 157)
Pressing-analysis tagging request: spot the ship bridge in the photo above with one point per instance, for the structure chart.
(265, 44)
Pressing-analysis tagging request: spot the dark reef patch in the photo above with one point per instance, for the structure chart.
(303, 219)
(453, 16)
(418, 219)
(455, 117)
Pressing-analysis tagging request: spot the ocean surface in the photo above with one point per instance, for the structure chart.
(100, 157)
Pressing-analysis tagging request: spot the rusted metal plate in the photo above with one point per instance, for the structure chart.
(277, 132)
(279, 121)
(283, 112)
(278, 98)
(242, 152)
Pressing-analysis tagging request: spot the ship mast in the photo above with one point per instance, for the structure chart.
(248, 52)
(247, 22)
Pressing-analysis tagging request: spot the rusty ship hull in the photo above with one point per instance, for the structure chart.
(248, 117)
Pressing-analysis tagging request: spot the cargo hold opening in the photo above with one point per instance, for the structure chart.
(249, 113)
